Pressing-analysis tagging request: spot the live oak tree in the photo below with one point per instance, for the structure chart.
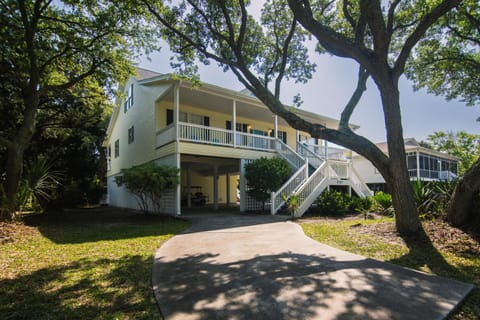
(49, 48)
(447, 63)
(380, 36)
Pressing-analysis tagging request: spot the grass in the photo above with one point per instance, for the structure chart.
(363, 237)
(84, 265)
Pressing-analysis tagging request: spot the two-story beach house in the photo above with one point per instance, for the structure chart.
(210, 133)
(422, 163)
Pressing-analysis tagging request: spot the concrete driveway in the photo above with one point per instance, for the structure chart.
(262, 267)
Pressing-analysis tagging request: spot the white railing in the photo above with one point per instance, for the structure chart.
(288, 188)
(287, 153)
(313, 158)
(203, 134)
(254, 141)
(338, 169)
(214, 136)
(165, 135)
(311, 189)
(358, 183)
(332, 153)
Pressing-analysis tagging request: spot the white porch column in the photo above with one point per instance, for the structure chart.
(234, 122)
(176, 110)
(418, 165)
(215, 187)
(275, 124)
(176, 107)
(227, 176)
(325, 142)
(242, 185)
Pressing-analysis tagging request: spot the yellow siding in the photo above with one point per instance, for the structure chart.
(206, 184)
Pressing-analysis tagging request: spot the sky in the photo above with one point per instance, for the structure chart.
(330, 88)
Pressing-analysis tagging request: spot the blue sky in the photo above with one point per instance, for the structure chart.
(330, 88)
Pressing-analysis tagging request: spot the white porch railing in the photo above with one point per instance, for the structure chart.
(203, 134)
(214, 136)
(254, 141)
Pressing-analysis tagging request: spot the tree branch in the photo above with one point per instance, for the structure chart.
(283, 63)
(332, 41)
(354, 99)
(428, 20)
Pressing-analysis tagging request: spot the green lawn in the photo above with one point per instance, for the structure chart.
(83, 265)
(446, 251)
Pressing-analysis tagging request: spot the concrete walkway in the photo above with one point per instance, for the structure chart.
(262, 267)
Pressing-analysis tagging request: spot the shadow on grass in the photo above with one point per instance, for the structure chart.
(100, 224)
(86, 289)
(298, 286)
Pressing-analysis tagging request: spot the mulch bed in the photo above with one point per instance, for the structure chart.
(443, 236)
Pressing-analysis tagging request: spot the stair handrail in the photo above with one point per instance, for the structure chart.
(287, 153)
(358, 181)
(288, 188)
(307, 188)
(314, 159)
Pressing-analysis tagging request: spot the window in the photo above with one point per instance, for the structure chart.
(117, 148)
(240, 127)
(109, 156)
(131, 135)
(282, 135)
(188, 117)
(129, 100)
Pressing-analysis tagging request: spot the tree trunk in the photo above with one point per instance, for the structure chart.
(461, 207)
(406, 214)
(13, 175)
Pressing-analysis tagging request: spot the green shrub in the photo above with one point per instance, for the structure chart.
(333, 203)
(358, 204)
(266, 175)
(383, 202)
(148, 182)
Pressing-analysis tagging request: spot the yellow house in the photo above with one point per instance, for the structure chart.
(210, 133)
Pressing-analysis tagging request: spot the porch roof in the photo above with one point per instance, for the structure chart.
(219, 99)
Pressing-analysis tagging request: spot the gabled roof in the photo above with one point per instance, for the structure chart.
(143, 74)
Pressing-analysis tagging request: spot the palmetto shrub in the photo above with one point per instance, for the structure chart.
(38, 185)
(383, 203)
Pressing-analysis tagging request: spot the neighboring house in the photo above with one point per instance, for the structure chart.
(422, 163)
(210, 133)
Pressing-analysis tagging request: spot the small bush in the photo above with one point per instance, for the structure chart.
(383, 202)
(148, 182)
(358, 204)
(333, 203)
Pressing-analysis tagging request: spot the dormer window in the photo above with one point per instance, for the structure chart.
(129, 100)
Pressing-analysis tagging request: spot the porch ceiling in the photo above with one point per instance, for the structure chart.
(223, 104)
(205, 165)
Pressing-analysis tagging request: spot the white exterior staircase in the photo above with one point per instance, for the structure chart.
(312, 175)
